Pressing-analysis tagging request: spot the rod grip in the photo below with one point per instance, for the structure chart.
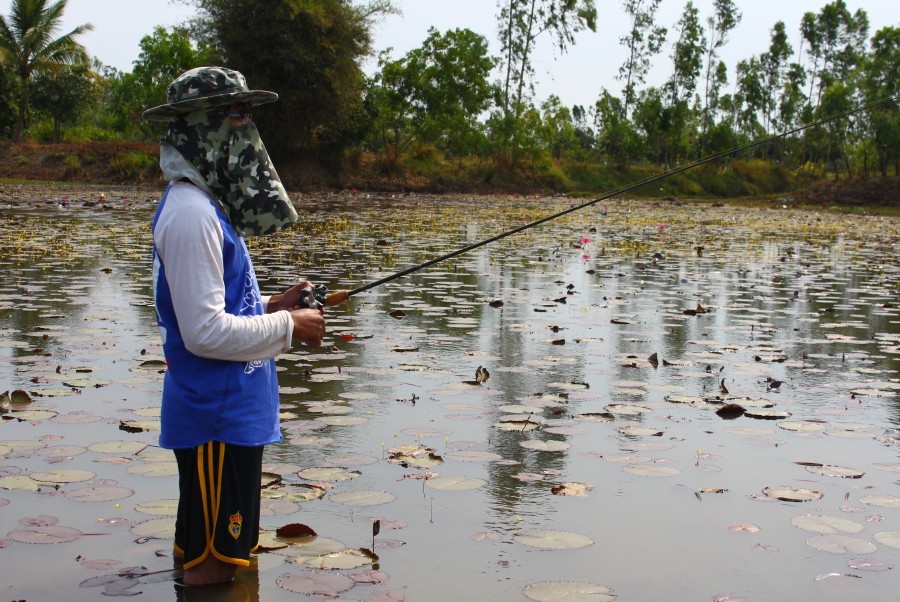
(336, 298)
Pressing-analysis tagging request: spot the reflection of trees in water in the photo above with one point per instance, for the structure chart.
(65, 267)
(510, 494)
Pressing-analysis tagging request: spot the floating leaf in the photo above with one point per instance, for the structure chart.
(804, 427)
(841, 544)
(551, 591)
(99, 494)
(861, 564)
(790, 494)
(45, 535)
(19, 397)
(117, 447)
(889, 538)
(363, 498)
(626, 409)
(883, 501)
(154, 469)
(328, 474)
(325, 584)
(295, 530)
(826, 524)
(369, 577)
(474, 456)
(749, 528)
(158, 528)
(70, 475)
(835, 471)
(158, 507)
(576, 489)
(766, 414)
(651, 470)
(550, 539)
(454, 483)
(547, 446)
(730, 411)
(595, 417)
(640, 431)
(19, 483)
(343, 560)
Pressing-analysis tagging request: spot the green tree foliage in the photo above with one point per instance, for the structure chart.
(687, 62)
(8, 100)
(643, 40)
(724, 19)
(835, 41)
(165, 54)
(309, 51)
(615, 134)
(521, 22)
(882, 80)
(774, 70)
(63, 94)
(557, 128)
(434, 94)
(27, 43)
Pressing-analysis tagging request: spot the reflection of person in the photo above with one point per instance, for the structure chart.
(219, 335)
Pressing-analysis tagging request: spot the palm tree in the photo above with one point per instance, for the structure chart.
(27, 45)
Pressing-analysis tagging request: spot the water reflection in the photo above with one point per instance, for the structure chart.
(809, 303)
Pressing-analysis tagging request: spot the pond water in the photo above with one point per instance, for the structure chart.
(587, 462)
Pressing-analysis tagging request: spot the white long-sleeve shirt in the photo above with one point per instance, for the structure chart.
(189, 241)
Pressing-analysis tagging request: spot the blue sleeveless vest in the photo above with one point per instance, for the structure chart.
(207, 399)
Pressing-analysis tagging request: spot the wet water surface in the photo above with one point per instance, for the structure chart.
(538, 419)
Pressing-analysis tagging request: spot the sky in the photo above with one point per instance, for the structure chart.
(577, 77)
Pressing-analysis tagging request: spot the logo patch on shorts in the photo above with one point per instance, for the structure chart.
(234, 524)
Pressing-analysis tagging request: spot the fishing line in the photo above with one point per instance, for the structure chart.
(337, 297)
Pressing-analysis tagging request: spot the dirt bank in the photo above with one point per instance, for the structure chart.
(135, 164)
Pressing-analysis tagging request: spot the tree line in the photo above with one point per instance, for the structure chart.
(450, 100)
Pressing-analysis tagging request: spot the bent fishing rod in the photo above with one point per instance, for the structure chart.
(319, 296)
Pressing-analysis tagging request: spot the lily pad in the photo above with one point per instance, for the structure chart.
(626, 409)
(551, 539)
(841, 544)
(158, 507)
(791, 494)
(48, 534)
(343, 560)
(454, 483)
(69, 475)
(328, 474)
(363, 498)
(473, 455)
(835, 471)
(889, 538)
(651, 470)
(802, 427)
(640, 431)
(99, 494)
(157, 528)
(882, 501)
(826, 524)
(117, 447)
(324, 584)
(563, 591)
(547, 446)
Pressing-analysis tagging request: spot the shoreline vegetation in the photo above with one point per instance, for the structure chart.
(135, 164)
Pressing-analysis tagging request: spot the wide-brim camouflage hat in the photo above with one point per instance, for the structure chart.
(204, 88)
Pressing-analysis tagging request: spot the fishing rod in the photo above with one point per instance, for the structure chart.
(321, 295)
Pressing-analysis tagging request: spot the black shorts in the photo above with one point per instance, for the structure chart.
(218, 506)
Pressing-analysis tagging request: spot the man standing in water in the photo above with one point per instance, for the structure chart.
(219, 335)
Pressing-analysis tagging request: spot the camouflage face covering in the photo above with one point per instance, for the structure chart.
(235, 166)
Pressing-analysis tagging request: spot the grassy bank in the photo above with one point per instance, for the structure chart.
(134, 163)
